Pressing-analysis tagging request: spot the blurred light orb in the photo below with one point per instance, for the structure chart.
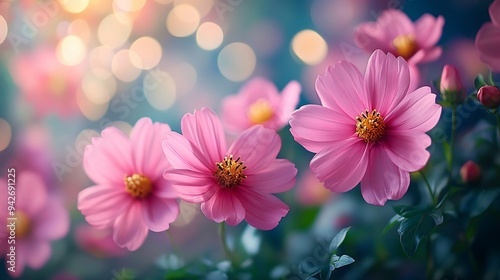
(203, 6)
(122, 66)
(98, 90)
(90, 110)
(130, 5)
(4, 29)
(100, 59)
(6, 134)
(148, 50)
(74, 6)
(183, 20)
(159, 90)
(209, 36)
(114, 32)
(309, 47)
(236, 61)
(80, 28)
(71, 50)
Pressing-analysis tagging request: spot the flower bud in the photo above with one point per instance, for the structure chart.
(470, 172)
(489, 96)
(451, 87)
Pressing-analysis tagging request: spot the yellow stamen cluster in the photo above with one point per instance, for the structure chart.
(139, 186)
(370, 126)
(260, 111)
(405, 45)
(229, 172)
(23, 224)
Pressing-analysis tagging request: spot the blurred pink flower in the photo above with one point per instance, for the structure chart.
(41, 218)
(369, 128)
(231, 184)
(45, 83)
(488, 38)
(310, 191)
(394, 32)
(98, 242)
(130, 194)
(451, 86)
(259, 102)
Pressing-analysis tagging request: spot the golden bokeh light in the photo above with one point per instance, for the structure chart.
(90, 110)
(71, 50)
(81, 29)
(4, 29)
(6, 134)
(129, 5)
(100, 59)
(209, 36)
(183, 20)
(159, 90)
(236, 61)
(203, 6)
(122, 66)
(98, 90)
(148, 50)
(114, 32)
(309, 47)
(74, 6)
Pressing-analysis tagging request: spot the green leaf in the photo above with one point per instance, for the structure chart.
(447, 154)
(490, 79)
(476, 202)
(338, 239)
(392, 222)
(479, 81)
(413, 229)
(407, 211)
(341, 261)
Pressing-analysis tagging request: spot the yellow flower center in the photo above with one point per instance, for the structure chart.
(57, 84)
(229, 172)
(370, 126)
(23, 224)
(138, 186)
(260, 111)
(405, 45)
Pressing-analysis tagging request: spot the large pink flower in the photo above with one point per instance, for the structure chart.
(394, 32)
(130, 194)
(40, 218)
(231, 184)
(369, 129)
(488, 38)
(259, 102)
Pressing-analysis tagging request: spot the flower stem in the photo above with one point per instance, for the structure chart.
(222, 232)
(433, 198)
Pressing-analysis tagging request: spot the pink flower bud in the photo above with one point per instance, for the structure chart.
(451, 87)
(470, 172)
(489, 96)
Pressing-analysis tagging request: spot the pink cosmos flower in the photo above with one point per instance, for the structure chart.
(259, 102)
(98, 242)
(40, 218)
(369, 129)
(231, 184)
(394, 32)
(488, 38)
(45, 83)
(130, 194)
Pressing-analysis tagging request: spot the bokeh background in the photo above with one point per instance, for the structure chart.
(70, 68)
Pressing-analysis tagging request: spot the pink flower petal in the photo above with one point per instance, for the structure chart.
(431, 54)
(386, 82)
(414, 78)
(487, 42)
(289, 100)
(428, 30)
(406, 149)
(257, 146)
(182, 154)
(147, 155)
(371, 36)
(418, 111)
(158, 213)
(263, 211)
(204, 130)
(101, 205)
(277, 177)
(163, 188)
(316, 127)
(31, 193)
(224, 206)
(37, 253)
(395, 23)
(192, 186)
(383, 179)
(129, 229)
(344, 81)
(107, 159)
(232, 116)
(342, 165)
(494, 11)
(52, 222)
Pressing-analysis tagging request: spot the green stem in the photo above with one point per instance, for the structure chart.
(433, 198)
(222, 232)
